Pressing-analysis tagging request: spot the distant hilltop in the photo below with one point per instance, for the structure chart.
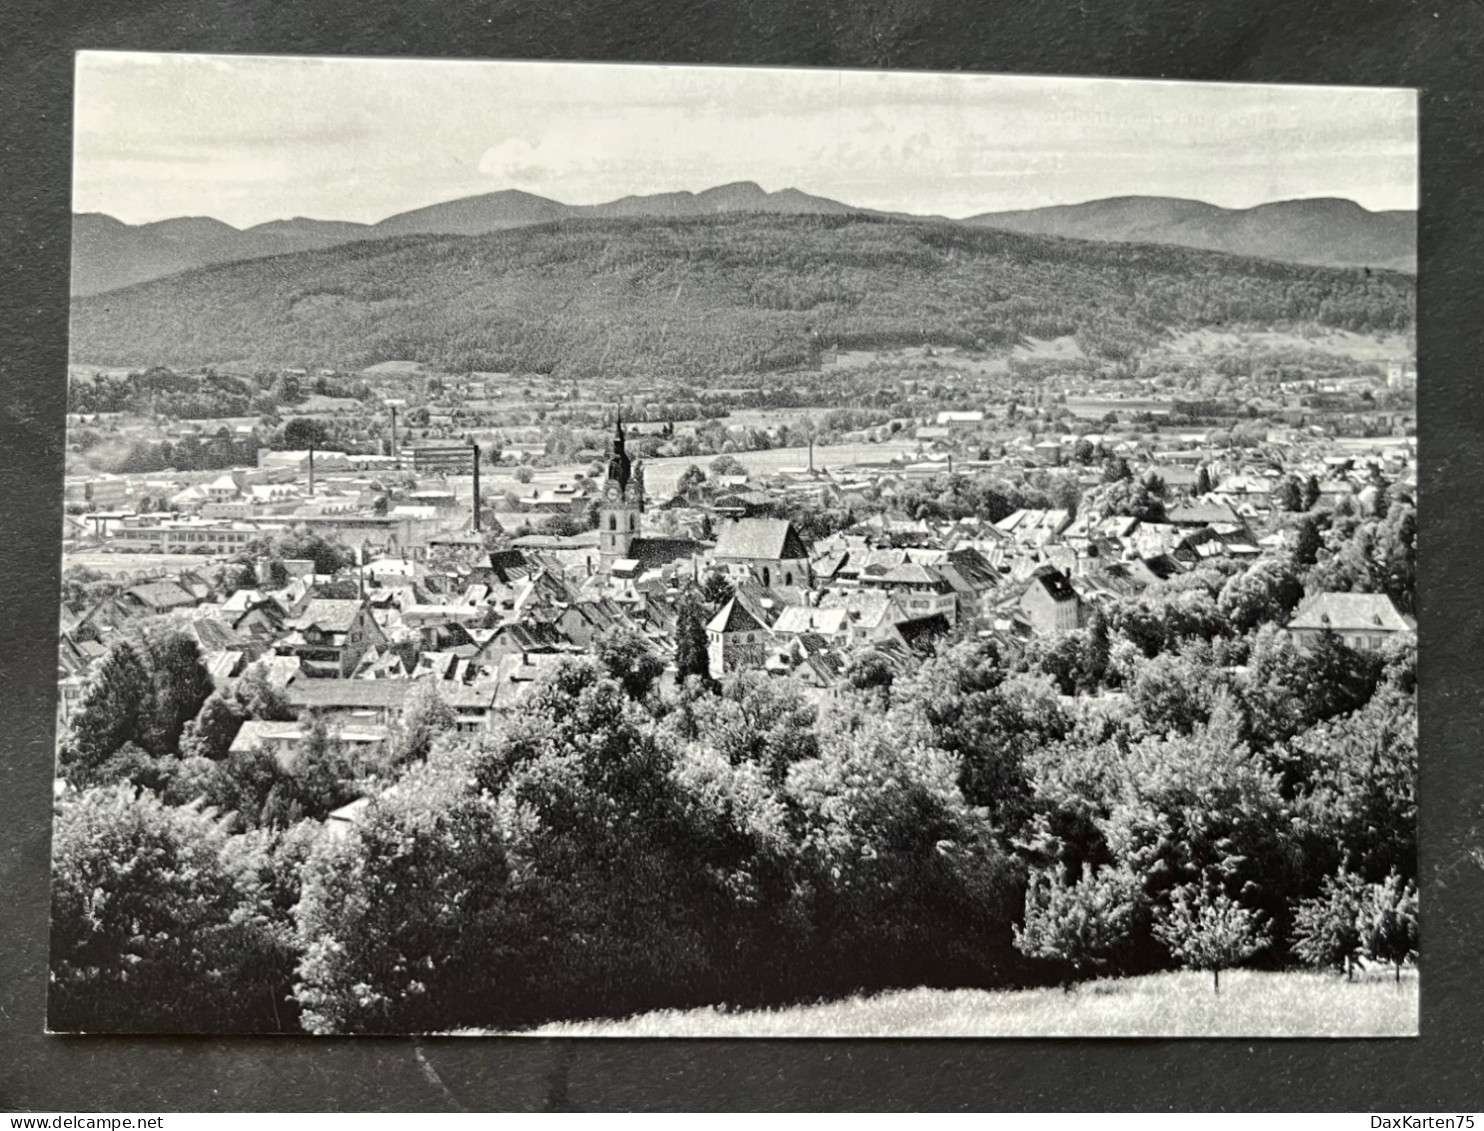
(108, 254)
(1324, 232)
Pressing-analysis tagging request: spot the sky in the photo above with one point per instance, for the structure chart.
(249, 139)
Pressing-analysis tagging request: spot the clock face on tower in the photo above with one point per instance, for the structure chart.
(613, 492)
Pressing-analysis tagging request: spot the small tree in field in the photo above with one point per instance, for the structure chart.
(1326, 930)
(1388, 922)
(1205, 929)
(1079, 925)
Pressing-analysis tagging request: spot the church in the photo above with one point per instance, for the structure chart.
(621, 543)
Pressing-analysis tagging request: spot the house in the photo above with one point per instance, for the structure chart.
(283, 740)
(1361, 620)
(960, 421)
(1050, 603)
(919, 589)
(357, 701)
(159, 597)
(1034, 527)
(798, 620)
(769, 549)
(919, 635)
(1189, 513)
(737, 637)
(330, 635)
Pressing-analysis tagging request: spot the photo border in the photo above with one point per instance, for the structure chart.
(1333, 42)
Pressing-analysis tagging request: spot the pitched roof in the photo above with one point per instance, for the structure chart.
(1195, 513)
(1055, 583)
(734, 616)
(920, 632)
(803, 619)
(328, 614)
(161, 595)
(770, 538)
(1352, 612)
(348, 693)
(651, 553)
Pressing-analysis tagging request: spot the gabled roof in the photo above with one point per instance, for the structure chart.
(735, 616)
(1352, 612)
(651, 553)
(1055, 583)
(920, 632)
(161, 595)
(328, 614)
(1195, 513)
(910, 573)
(767, 538)
(309, 694)
(803, 619)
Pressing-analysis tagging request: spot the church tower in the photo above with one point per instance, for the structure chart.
(622, 503)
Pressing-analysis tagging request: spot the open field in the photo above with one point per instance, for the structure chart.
(1341, 343)
(661, 475)
(1251, 1004)
(114, 564)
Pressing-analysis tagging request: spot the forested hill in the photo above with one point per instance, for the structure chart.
(1325, 231)
(697, 298)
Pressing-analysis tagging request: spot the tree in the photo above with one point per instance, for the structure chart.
(900, 882)
(1080, 926)
(1116, 470)
(1203, 481)
(716, 590)
(629, 658)
(210, 733)
(692, 481)
(1267, 592)
(760, 720)
(1310, 542)
(1327, 929)
(967, 705)
(1205, 929)
(109, 712)
(524, 473)
(306, 433)
(259, 699)
(691, 656)
(1096, 649)
(1310, 494)
(1287, 495)
(1388, 922)
(427, 716)
(181, 685)
(724, 465)
(152, 929)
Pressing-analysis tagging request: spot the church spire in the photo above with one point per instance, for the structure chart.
(619, 465)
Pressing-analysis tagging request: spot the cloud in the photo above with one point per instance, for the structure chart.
(515, 159)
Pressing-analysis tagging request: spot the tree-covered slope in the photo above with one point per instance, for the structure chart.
(697, 298)
(1325, 232)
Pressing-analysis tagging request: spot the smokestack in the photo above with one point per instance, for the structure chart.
(811, 455)
(394, 431)
(311, 472)
(476, 487)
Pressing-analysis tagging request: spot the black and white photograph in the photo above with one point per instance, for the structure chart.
(607, 550)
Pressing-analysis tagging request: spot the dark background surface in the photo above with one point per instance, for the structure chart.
(1438, 47)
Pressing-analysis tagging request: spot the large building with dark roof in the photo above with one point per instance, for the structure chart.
(770, 549)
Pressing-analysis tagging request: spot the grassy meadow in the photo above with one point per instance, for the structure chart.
(1252, 1003)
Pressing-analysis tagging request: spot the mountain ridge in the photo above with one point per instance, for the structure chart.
(109, 254)
(697, 297)
(1323, 231)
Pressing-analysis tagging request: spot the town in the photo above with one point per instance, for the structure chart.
(383, 578)
(1010, 523)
